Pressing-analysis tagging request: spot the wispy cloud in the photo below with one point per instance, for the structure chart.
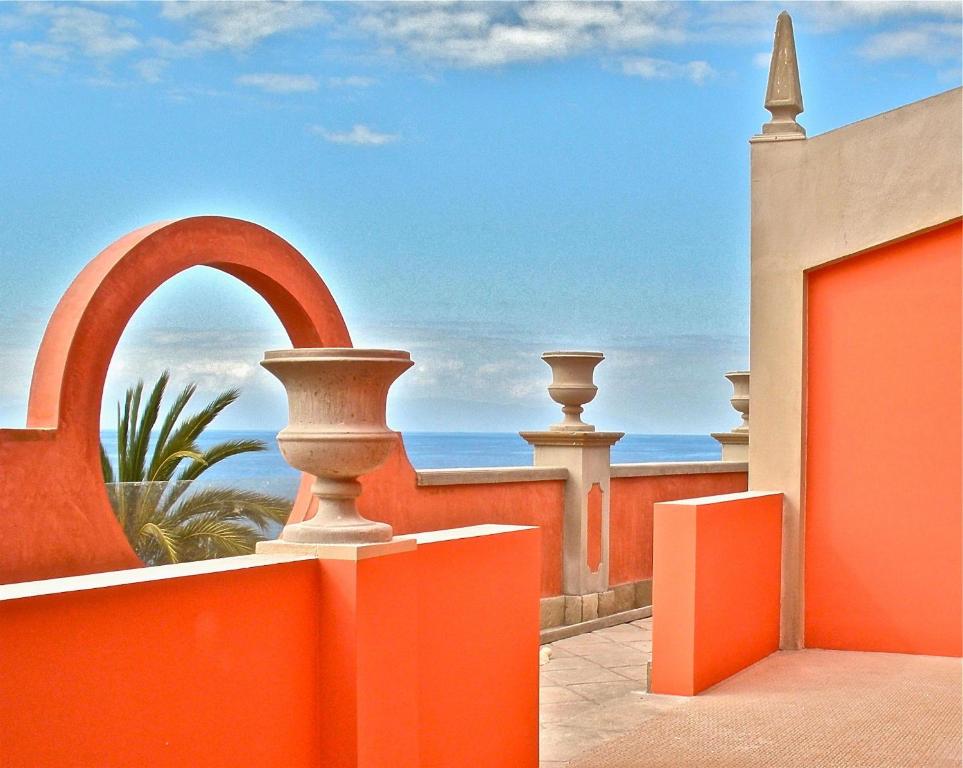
(359, 135)
(928, 42)
(351, 81)
(151, 70)
(91, 33)
(278, 83)
(491, 35)
(238, 26)
(660, 69)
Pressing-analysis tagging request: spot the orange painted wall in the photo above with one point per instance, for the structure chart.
(213, 670)
(715, 603)
(425, 658)
(883, 458)
(391, 494)
(631, 506)
(478, 640)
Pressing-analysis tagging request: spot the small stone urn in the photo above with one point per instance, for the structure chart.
(740, 397)
(572, 386)
(336, 431)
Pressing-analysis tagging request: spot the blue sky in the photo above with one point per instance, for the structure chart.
(476, 183)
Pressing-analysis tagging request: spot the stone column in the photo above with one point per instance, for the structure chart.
(735, 442)
(586, 454)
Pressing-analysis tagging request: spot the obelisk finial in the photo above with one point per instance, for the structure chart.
(783, 94)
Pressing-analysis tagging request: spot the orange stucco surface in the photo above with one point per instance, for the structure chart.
(478, 643)
(883, 459)
(715, 602)
(213, 670)
(417, 659)
(631, 510)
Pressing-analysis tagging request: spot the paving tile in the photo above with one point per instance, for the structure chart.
(561, 742)
(593, 674)
(618, 656)
(554, 694)
(570, 662)
(566, 711)
(579, 642)
(607, 690)
(618, 715)
(633, 673)
(620, 632)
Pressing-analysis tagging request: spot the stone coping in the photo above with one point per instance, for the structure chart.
(489, 475)
(492, 475)
(678, 468)
(143, 575)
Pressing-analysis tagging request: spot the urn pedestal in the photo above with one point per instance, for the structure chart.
(337, 432)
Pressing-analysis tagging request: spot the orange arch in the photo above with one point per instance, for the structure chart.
(54, 464)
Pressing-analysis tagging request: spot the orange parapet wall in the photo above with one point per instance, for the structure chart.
(715, 602)
(630, 523)
(883, 458)
(420, 657)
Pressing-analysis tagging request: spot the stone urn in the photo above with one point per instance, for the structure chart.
(572, 386)
(740, 397)
(337, 432)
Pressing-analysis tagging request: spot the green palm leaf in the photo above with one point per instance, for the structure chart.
(164, 520)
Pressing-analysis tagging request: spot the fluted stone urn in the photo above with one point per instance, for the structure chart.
(572, 386)
(740, 397)
(337, 432)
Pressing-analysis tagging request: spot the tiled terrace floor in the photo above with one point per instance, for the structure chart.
(813, 708)
(592, 689)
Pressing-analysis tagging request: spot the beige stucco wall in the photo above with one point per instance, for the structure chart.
(814, 201)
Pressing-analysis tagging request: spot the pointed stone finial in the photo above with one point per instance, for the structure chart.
(783, 94)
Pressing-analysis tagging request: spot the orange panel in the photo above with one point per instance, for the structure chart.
(478, 640)
(593, 542)
(883, 458)
(212, 670)
(630, 515)
(715, 600)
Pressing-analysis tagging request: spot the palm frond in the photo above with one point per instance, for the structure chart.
(141, 436)
(105, 466)
(161, 537)
(184, 436)
(218, 453)
(161, 446)
(259, 509)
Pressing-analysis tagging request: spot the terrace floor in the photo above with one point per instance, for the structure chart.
(813, 708)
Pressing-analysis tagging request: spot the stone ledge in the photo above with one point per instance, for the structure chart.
(489, 475)
(678, 468)
(560, 633)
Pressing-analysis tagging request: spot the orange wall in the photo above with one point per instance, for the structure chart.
(883, 459)
(631, 504)
(425, 658)
(715, 602)
(478, 640)
(213, 670)
(392, 495)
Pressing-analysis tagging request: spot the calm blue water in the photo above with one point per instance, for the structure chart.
(268, 472)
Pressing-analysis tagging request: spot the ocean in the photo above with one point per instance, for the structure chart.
(268, 472)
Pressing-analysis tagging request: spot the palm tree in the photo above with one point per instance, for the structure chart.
(164, 520)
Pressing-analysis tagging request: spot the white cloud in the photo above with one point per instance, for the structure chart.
(91, 33)
(39, 50)
(359, 135)
(351, 81)
(928, 42)
(762, 60)
(660, 69)
(151, 70)
(278, 83)
(238, 26)
(489, 35)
